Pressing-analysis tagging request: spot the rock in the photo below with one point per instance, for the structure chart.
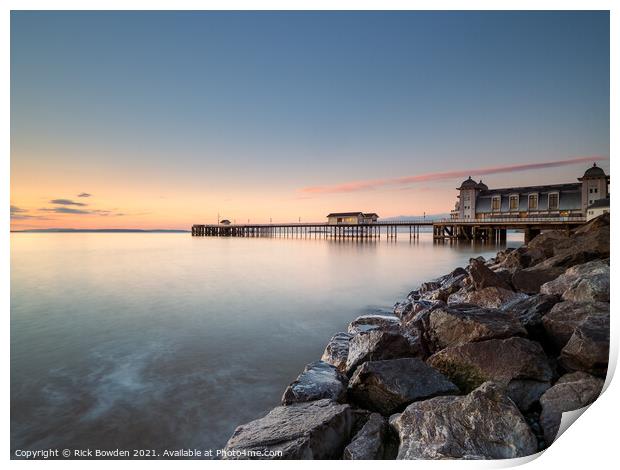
(337, 350)
(572, 392)
(373, 322)
(418, 306)
(584, 282)
(547, 241)
(482, 425)
(588, 348)
(429, 286)
(376, 345)
(318, 380)
(592, 237)
(388, 386)
(489, 297)
(403, 309)
(481, 276)
(444, 286)
(368, 443)
(312, 430)
(464, 323)
(530, 280)
(530, 310)
(521, 258)
(526, 393)
(460, 296)
(503, 360)
(560, 323)
(590, 289)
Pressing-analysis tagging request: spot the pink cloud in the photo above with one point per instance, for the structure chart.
(367, 185)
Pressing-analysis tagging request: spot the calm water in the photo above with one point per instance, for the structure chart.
(161, 341)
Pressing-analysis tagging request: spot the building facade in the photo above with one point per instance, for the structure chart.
(477, 201)
(351, 218)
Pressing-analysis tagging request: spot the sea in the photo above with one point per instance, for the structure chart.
(164, 341)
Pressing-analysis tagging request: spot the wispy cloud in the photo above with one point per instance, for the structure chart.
(67, 202)
(17, 213)
(65, 210)
(368, 185)
(17, 210)
(84, 195)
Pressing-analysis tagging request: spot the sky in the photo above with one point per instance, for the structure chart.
(167, 119)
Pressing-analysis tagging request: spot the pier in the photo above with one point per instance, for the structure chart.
(479, 230)
(376, 230)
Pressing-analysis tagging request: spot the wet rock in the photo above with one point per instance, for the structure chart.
(464, 323)
(388, 386)
(489, 297)
(572, 392)
(376, 345)
(404, 309)
(530, 310)
(368, 443)
(373, 322)
(312, 430)
(482, 425)
(502, 360)
(560, 323)
(460, 296)
(481, 276)
(581, 283)
(337, 351)
(588, 348)
(317, 381)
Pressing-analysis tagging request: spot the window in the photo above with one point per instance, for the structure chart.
(532, 202)
(554, 201)
(591, 190)
(514, 202)
(595, 190)
(496, 202)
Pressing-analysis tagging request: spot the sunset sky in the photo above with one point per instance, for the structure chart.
(165, 119)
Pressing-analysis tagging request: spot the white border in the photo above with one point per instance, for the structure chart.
(589, 444)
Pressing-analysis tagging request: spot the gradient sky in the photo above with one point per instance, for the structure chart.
(165, 119)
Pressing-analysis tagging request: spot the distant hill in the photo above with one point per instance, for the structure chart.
(98, 230)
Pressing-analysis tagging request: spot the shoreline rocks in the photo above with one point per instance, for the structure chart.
(508, 343)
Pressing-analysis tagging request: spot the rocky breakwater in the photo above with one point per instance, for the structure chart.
(508, 343)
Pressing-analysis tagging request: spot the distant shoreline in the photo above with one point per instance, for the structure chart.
(101, 230)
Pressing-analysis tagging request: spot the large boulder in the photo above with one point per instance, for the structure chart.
(378, 344)
(546, 242)
(464, 323)
(388, 386)
(312, 430)
(489, 297)
(588, 347)
(560, 323)
(318, 380)
(530, 310)
(572, 392)
(481, 276)
(517, 362)
(443, 287)
(581, 283)
(482, 425)
(373, 322)
(520, 258)
(529, 280)
(337, 351)
(369, 442)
